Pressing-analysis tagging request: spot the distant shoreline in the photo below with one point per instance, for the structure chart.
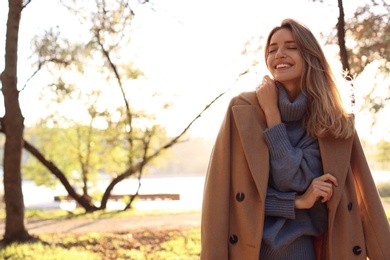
(173, 175)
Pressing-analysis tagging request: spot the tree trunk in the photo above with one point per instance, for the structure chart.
(341, 39)
(13, 125)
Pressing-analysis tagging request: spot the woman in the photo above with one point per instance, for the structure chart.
(288, 178)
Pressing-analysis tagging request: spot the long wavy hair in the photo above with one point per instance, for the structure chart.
(325, 114)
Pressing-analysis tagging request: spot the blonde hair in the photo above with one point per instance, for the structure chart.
(325, 113)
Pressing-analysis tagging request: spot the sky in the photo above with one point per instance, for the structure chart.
(188, 49)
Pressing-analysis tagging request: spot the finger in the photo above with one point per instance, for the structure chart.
(263, 82)
(329, 192)
(329, 178)
(267, 78)
(332, 179)
(323, 195)
(322, 189)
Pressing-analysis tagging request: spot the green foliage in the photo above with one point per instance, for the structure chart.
(384, 189)
(67, 149)
(186, 245)
(40, 251)
(382, 155)
(370, 30)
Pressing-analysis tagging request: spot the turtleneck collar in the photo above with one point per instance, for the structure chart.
(291, 111)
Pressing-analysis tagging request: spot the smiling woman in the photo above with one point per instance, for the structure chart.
(285, 61)
(286, 165)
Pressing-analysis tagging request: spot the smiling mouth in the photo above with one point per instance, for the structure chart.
(283, 66)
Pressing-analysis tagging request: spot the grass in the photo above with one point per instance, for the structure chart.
(80, 213)
(385, 199)
(147, 244)
(144, 245)
(44, 252)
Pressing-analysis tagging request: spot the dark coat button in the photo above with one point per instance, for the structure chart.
(350, 206)
(357, 250)
(240, 196)
(233, 239)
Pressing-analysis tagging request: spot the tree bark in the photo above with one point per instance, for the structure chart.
(82, 201)
(13, 126)
(341, 39)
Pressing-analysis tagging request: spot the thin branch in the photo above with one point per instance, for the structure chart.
(174, 140)
(25, 5)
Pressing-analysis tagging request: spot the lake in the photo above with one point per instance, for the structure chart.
(189, 188)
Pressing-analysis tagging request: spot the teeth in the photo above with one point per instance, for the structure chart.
(283, 66)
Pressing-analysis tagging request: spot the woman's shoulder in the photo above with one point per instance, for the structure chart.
(245, 98)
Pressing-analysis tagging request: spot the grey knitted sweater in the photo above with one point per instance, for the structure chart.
(295, 161)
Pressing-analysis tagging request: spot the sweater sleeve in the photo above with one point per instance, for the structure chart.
(292, 167)
(280, 204)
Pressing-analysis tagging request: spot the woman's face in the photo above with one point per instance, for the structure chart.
(285, 61)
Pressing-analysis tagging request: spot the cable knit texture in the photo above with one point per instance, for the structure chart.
(295, 162)
(291, 111)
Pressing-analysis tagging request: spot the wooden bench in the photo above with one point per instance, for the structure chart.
(116, 197)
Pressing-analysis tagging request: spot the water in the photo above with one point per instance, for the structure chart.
(189, 188)
(381, 176)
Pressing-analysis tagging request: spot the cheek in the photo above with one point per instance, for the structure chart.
(300, 61)
(268, 63)
(302, 66)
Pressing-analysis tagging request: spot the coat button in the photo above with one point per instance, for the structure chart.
(233, 239)
(357, 250)
(350, 206)
(240, 196)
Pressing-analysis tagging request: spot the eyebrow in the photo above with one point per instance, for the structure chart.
(286, 42)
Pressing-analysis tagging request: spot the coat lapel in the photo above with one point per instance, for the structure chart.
(250, 123)
(335, 155)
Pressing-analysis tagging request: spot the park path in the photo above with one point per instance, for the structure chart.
(112, 225)
(178, 220)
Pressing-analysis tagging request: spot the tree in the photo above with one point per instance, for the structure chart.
(131, 136)
(367, 33)
(369, 29)
(341, 39)
(13, 125)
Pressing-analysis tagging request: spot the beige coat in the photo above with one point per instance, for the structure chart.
(236, 184)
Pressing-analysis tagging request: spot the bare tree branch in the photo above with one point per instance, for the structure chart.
(25, 5)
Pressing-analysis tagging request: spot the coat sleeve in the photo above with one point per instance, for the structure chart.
(215, 207)
(375, 223)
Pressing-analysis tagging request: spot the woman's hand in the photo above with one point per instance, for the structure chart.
(267, 96)
(321, 187)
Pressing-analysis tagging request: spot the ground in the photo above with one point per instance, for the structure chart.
(112, 225)
(118, 224)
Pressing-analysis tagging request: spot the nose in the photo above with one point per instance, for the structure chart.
(280, 53)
